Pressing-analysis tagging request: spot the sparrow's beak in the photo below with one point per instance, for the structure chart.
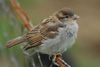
(74, 17)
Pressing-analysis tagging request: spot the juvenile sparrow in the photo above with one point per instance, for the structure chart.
(53, 35)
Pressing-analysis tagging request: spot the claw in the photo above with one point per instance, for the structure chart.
(56, 56)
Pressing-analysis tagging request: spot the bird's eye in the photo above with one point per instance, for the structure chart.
(67, 16)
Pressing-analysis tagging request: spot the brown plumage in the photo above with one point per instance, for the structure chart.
(47, 29)
(37, 34)
(40, 33)
(16, 41)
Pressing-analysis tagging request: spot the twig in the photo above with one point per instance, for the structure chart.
(33, 64)
(64, 62)
(14, 61)
(40, 59)
(22, 14)
(4, 56)
(25, 19)
(61, 62)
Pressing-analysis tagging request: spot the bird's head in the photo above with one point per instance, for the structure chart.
(66, 15)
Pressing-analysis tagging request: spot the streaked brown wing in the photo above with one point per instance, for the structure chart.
(34, 38)
(40, 33)
(33, 42)
(50, 30)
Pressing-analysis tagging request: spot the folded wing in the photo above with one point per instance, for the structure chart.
(42, 32)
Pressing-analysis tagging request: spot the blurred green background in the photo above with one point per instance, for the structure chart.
(85, 52)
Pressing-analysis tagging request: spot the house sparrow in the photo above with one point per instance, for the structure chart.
(53, 35)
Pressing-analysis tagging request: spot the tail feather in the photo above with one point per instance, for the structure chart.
(16, 41)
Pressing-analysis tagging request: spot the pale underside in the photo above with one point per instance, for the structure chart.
(52, 37)
(64, 40)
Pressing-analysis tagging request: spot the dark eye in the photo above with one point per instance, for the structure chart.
(67, 16)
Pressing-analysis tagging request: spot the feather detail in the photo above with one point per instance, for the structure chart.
(16, 41)
(41, 33)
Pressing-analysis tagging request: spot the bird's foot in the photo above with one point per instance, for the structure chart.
(57, 60)
(55, 56)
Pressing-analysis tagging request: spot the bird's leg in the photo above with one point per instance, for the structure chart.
(55, 56)
(53, 60)
(61, 62)
(57, 60)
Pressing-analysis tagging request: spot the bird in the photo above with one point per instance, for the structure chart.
(54, 35)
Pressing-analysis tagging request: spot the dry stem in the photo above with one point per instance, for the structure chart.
(21, 13)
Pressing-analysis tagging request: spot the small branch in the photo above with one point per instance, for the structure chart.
(40, 59)
(21, 13)
(26, 20)
(64, 62)
(60, 61)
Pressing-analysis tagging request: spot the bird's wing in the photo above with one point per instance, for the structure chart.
(42, 32)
